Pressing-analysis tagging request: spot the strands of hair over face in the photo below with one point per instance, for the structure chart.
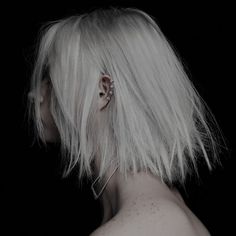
(156, 121)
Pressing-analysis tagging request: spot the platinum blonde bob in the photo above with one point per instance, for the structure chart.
(156, 121)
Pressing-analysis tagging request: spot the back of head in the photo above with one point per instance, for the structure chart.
(156, 120)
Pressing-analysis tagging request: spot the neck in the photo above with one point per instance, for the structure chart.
(120, 193)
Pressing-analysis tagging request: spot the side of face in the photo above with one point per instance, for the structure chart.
(51, 133)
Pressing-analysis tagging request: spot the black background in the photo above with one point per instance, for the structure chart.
(36, 200)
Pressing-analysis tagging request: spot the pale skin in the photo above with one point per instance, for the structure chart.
(140, 205)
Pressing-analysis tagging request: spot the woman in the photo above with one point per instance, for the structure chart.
(108, 86)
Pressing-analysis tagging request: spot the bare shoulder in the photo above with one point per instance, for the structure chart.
(154, 217)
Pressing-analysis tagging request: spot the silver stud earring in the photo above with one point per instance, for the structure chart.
(110, 90)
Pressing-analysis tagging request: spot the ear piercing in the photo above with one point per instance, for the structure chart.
(110, 89)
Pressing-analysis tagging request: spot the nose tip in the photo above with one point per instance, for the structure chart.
(32, 97)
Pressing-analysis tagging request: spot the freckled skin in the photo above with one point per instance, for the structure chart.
(147, 216)
(148, 210)
(135, 209)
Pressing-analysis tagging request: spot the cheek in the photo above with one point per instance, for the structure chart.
(50, 129)
(46, 114)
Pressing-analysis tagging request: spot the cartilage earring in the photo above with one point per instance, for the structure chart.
(111, 90)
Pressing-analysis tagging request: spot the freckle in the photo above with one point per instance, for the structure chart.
(152, 210)
(128, 214)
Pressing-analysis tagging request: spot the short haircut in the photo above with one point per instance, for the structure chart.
(156, 121)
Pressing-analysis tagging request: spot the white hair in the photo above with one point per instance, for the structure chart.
(156, 121)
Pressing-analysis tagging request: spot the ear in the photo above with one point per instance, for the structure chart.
(105, 91)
